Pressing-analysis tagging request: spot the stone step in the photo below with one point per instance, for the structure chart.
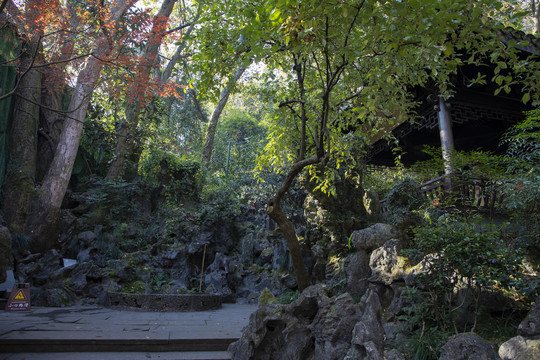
(216, 355)
(58, 344)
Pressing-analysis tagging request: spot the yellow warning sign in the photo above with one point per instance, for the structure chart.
(19, 296)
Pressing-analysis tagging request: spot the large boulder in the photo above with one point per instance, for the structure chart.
(373, 237)
(520, 348)
(468, 347)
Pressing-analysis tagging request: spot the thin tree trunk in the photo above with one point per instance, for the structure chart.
(124, 144)
(213, 123)
(273, 208)
(55, 183)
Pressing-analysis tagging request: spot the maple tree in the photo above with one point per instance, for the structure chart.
(140, 92)
(69, 43)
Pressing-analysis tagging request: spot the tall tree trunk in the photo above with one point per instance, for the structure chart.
(54, 81)
(213, 123)
(124, 144)
(19, 189)
(20, 186)
(535, 10)
(54, 186)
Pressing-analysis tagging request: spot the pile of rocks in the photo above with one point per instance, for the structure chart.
(315, 326)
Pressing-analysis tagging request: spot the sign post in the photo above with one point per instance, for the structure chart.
(19, 299)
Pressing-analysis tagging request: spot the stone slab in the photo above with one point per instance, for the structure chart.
(164, 302)
(87, 329)
(216, 355)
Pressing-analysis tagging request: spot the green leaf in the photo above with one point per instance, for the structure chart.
(526, 97)
(274, 15)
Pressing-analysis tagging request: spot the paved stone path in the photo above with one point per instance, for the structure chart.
(90, 328)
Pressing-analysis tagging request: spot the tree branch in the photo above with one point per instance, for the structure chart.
(34, 55)
(293, 172)
(3, 5)
(178, 28)
(289, 102)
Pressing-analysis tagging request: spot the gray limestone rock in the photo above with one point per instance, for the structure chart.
(358, 271)
(393, 354)
(315, 326)
(395, 334)
(530, 326)
(55, 298)
(332, 327)
(468, 347)
(86, 238)
(48, 265)
(373, 236)
(384, 263)
(368, 333)
(520, 348)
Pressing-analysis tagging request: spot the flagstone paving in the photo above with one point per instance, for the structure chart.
(91, 328)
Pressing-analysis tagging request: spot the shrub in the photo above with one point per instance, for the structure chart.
(460, 259)
(404, 198)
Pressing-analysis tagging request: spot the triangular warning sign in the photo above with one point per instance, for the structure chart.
(19, 296)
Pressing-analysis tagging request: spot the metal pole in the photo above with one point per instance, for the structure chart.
(447, 139)
(228, 159)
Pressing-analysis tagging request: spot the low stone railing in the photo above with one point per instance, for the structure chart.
(164, 302)
(481, 193)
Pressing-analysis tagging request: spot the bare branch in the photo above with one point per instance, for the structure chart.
(34, 55)
(178, 28)
(289, 102)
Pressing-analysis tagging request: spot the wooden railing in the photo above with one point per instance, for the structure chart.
(480, 193)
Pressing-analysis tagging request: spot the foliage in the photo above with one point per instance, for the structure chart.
(367, 39)
(288, 297)
(181, 130)
(403, 200)
(114, 198)
(461, 258)
(246, 138)
(522, 187)
(523, 141)
(181, 177)
(467, 164)
(381, 179)
(219, 200)
(159, 282)
(97, 141)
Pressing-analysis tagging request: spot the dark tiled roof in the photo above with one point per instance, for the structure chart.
(533, 40)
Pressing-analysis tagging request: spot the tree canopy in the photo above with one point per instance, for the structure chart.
(336, 73)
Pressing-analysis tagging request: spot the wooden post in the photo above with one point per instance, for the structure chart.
(447, 140)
